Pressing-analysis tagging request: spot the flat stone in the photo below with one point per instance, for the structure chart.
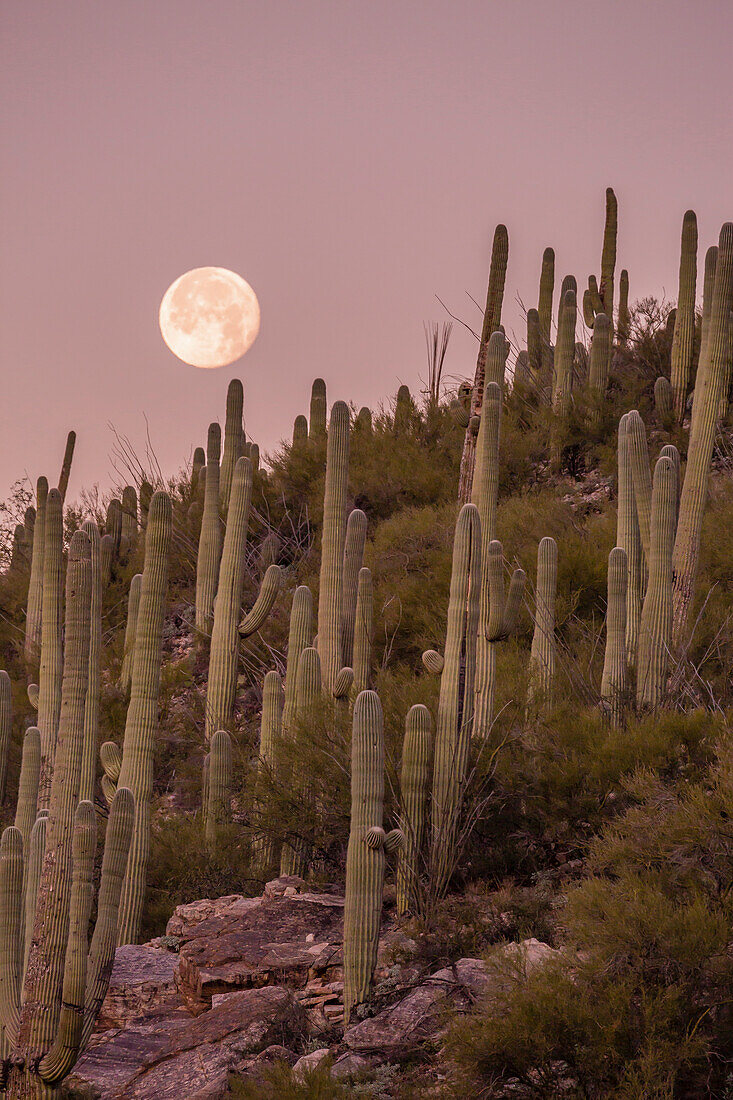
(186, 917)
(180, 1058)
(143, 979)
(252, 942)
(309, 1062)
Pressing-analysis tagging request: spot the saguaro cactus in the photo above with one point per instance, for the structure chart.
(600, 358)
(330, 600)
(142, 714)
(366, 851)
(317, 427)
(628, 537)
(614, 684)
(491, 322)
(708, 289)
(270, 733)
(30, 772)
(544, 646)
(233, 439)
(534, 346)
(35, 585)
(544, 309)
(495, 626)
(417, 761)
(133, 602)
(664, 401)
(641, 476)
(219, 810)
(207, 565)
(356, 529)
(683, 339)
(300, 636)
(51, 668)
(454, 720)
(608, 254)
(363, 631)
(224, 655)
(91, 706)
(294, 857)
(623, 322)
(300, 432)
(129, 520)
(655, 631)
(6, 728)
(563, 372)
(66, 465)
(198, 464)
(705, 404)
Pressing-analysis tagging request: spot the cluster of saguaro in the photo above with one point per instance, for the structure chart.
(52, 982)
(365, 857)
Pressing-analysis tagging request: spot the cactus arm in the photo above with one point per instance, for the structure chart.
(35, 584)
(608, 253)
(133, 603)
(641, 475)
(317, 427)
(257, 615)
(623, 320)
(300, 634)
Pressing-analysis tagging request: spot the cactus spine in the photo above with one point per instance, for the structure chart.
(35, 585)
(455, 703)
(683, 339)
(51, 668)
(711, 373)
(218, 810)
(356, 528)
(614, 681)
(207, 565)
(133, 603)
(224, 655)
(544, 647)
(491, 322)
(6, 728)
(628, 537)
(233, 439)
(655, 631)
(332, 546)
(142, 714)
(365, 856)
(91, 707)
(317, 428)
(417, 760)
(363, 631)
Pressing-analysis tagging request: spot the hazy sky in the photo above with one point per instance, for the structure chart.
(350, 159)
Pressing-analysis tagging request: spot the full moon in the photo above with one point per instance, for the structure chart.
(209, 317)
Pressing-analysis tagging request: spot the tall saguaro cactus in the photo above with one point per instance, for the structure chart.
(623, 323)
(308, 687)
(51, 669)
(218, 809)
(142, 714)
(417, 760)
(683, 339)
(614, 679)
(317, 426)
(330, 598)
(66, 465)
(356, 528)
(35, 585)
(133, 603)
(600, 358)
(6, 728)
(454, 721)
(498, 624)
(628, 537)
(270, 733)
(363, 631)
(544, 646)
(91, 707)
(233, 439)
(655, 630)
(544, 309)
(207, 565)
(608, 253)
(491, 322)
(711, 372)
(365, 855)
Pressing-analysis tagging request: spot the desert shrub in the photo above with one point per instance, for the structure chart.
(278, 1083)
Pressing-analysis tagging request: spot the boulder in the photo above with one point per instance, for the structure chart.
(278, 939)
(143, 980)
(169, 1058)
(309, 1062)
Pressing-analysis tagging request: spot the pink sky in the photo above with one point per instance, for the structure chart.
(350, 160)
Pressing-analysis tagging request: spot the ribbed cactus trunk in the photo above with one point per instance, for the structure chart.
(129, 521)
(664, 402)
(317, 427)
(683, 340)
(133, 603)
(300, 432)
(198, 463)
(705, 404)
(608, 253)
(207, 565)
(219, 786)
(91, 709)
(415, 775)
(544, 646)
(233, 439)
(484, 495)
(270, 733)
(600, 360)
(39, 1016)
(544, 310)
(330, 595)
(404, 409)
(363, 632)
(614, 683)
(563, 373)
(708, 290)
(655, 631)
(623, 322)
(500, 624)
(308, 687)
(534, 348)
(365, 856)
(454, 722)
(300, 636)
(66, 465)
(51, 669)
(628, 537)
(142, 714)
(641, 476)
(356, 528)
(224, 654)
(6, 728)
(26, 807)
(35, 584)
(491, 322)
